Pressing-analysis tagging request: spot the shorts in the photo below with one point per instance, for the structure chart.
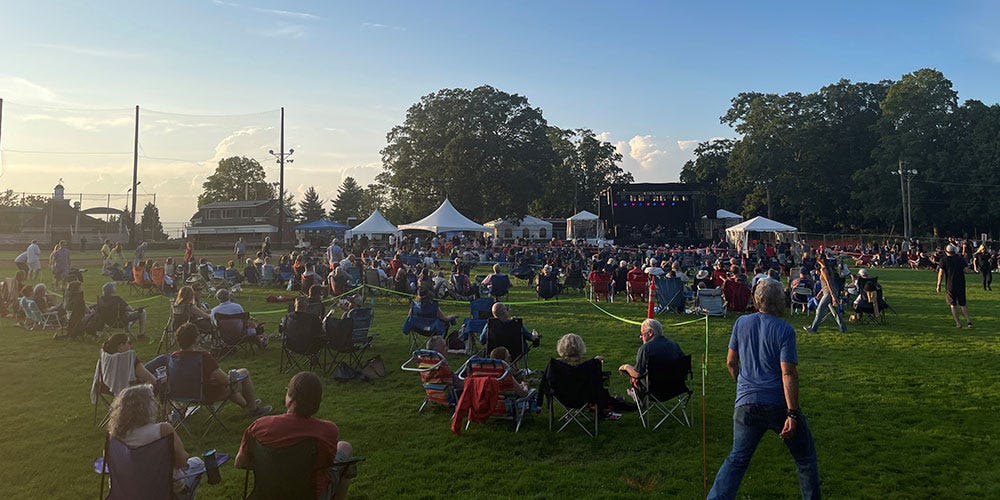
(955, 297)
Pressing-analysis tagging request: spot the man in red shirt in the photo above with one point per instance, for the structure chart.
(305, 392)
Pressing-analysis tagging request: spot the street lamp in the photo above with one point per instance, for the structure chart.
(281, 157)
(907, 176)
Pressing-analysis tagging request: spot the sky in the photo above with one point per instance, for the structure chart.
(209, 77)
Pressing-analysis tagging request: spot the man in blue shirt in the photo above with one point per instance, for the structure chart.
(763, 360)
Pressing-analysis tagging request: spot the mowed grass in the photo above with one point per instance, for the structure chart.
(906, 410)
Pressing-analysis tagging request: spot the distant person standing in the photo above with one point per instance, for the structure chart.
(265, 247)
(106, 250)
(829, 302)
(60, 264)
(951, 269)
(240, 249)
(34, 259)
(188, 258)
(334, 253)
(982, 263)
(763, 360)
(83, 244)
(140, 252)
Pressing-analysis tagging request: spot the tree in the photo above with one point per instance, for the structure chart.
(585, 167)
(710, 168)
(311, 207)
(149, 226)
(236, 178)
(9, 199)
(349, 201)
(486, 150)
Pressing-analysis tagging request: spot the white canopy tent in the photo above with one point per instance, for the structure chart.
(584, 225)
(727, 218)
(375, 224)
(530, 227)
(445, 219)
(739, 234)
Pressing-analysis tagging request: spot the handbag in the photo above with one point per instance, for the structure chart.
(373, 369)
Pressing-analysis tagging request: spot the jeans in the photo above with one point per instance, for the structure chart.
(750, 422)
(824, 308)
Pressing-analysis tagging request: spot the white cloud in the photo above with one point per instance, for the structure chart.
(688, 144)
(284, 30)
(644, 150)
(653, 159)
(287, 13)
(20, 89)
(80, 121)
(380, 26)
(92, 51)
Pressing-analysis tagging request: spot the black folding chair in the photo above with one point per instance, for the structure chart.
(662, 383)
(507, 334)
(290, 472)
(186, 389)
(575, 389)
(301, 342)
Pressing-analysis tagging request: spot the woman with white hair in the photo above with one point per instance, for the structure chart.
(133, 421)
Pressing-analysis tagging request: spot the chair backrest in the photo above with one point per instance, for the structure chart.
(665, 380)
(600, 281)
(288, 472)
(109, 311)
(185, 378)
(506, 334)
(362, 317)
(462, 284)
(267, 273)
(141, 472)
(156, 275)
(31, 310)
(499, 285)
(372, 277)
(435, 375)
(481, 309)
(737, 295)
(232, 327)
(574, 386)
(339, 333)
(670, 292)
(354, 274)
(497, 369)
(303, 333)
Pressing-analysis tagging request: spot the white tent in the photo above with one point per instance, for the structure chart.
(584, 225)
(446, 219)
(373, 225)
(739, 234)
(726, 214)
(529, 227)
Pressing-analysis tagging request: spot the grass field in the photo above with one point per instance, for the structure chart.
(907, 410)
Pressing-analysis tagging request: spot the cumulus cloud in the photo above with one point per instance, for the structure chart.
(20, 89)
(653, 159)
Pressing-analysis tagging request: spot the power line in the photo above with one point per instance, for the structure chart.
(34, 152)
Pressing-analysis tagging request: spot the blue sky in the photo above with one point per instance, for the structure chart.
(651, 77)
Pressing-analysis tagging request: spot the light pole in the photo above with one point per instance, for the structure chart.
(282, 158)
(904, 192)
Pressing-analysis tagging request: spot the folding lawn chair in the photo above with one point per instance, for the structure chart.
(186, 394)
(637, 287)
(338, 345)
(737, 295)
(871, 306)
(361, 334)
(290, 472)
(302, 340)
(799, 296)
(231, 333)
(508, 404)
(423, 322)
(711, 302)
(435, 376)
(658, 386)
(669, 294)
(575, 389)
(145, 472)
(600, 286)
(509, 335)
(480, 311)
(40, 320)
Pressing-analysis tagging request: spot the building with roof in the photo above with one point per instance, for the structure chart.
(57, 219)
(222, 222)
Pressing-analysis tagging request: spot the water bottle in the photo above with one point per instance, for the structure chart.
(211, 467)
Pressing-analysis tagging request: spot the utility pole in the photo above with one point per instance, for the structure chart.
(281, 156)
(902, 196)
(135, 171)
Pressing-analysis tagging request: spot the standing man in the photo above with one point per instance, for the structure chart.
(763, 360)
(830, 300)
(140, 253)
(240, 249)
(34, 260)
(334, 253)
(952, 270)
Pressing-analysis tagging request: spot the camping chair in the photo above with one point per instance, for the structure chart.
(143, 472)
(658, 386)
(338, 345)
(372, 279)
(231, 333)
(669, 294)
(870, 306)
(523, 272)
(737, 295)
(435, 376)
(361, 335)
(185, 387)
(499, 286)
(480, 311)
(174, 321)
(637, 287)
(462, 288)
(290, 472)
(600, 286)
(301, 342)
(575, 279)
(509, 404)
(711, 302)
(548, 287)
(799, 296)
(40, 320)
(100, 393)
(509, 335)
(423, 322)
(575, 389)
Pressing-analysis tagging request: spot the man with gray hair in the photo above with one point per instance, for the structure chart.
(115, 312)
(951, 269)
(763, 360)
(654, 347)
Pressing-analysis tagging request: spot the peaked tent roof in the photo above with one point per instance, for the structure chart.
(583, 215)
(376, 223)
(726, 214)
(528, 221)
(446, 218)
(762, 225)
(322, 225)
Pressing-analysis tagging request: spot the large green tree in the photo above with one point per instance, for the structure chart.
(311, 206)
(710, 168)
(585, 166)
(236, 178)
(485, 149)
(10, 198)
(150, 226)
(349, 201)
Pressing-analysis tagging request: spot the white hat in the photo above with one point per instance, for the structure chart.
(863, 272)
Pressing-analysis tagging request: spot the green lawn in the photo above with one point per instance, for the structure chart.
(907, 410)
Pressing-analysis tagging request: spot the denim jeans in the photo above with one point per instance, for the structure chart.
(824, 308)
(750, 422)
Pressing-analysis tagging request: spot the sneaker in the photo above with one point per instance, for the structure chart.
(806, 328)
(262, 410)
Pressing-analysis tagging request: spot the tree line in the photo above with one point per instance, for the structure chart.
(830, 160)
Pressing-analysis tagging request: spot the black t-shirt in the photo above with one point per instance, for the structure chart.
(954, 271)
